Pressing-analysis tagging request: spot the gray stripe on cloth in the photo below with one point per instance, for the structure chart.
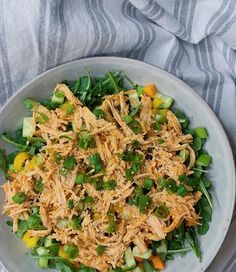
(63, 33)
(42, 35)
(127, 10)
(96, 31)
(149, 6)
(204, 58)
(175, 44)
(229, 264)
(230, 58)
(53, 34)
(226, 26)
(110, 26)
(5, 67)
(149, 33)
(191, 16)
(182, 18)
(219, 17)
(215, 91)
(197, 54)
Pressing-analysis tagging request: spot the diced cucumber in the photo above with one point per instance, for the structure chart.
(58, 97)
(42, 251)
(167, 100)
(138, 269)
(134, 100)
(146, 255)
(162, 248)
(127, 268)
(28, 127)
(129, 259)
(48, 242)
(43, 262)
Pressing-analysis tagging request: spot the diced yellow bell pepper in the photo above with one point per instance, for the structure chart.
(20, 160)
(63, 254)
(30, 166)
(30, 241)
(157, 102)
(150, 90)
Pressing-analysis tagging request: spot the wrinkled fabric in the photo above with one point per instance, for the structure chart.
(193, 39)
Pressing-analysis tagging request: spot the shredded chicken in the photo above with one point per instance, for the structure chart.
(112, 136)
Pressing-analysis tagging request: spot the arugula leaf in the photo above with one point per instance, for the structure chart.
(203, 189)
(190, 236)
(148, 267)
(13, 141)
(22, 228)
(64, 266)
(3, 163)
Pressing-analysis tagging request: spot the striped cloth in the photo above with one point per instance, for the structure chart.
(192, 39)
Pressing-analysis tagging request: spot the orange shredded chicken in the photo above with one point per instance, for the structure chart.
(112, 136)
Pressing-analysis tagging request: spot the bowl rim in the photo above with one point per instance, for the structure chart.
(193, 92)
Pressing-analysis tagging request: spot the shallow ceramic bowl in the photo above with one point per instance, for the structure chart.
(12, 251)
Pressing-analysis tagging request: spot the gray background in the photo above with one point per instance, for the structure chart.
(192, 39)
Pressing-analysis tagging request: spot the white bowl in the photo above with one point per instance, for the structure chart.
(221, 173)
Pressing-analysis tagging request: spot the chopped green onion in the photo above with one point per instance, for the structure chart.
(59, 94)
(71, 204)
(38, 186)
(86, 140)
(128, 119)
(30, 103)
(71, 251)
(127, 156)
(136, 144)
(169, 184)
(201, 132)
(109, 185)
(100, 114)
(204, 160)
(34, 221)
(88, 199)
(184, 153)
(129, 174)
(19, 198)
(138, 191)
(143, 203)
(76, 222)
(160, 141)
(100, 250)
(69, 163)
(96, 161)
(148, 183)
(58, 157)
(42, 119)
(161, 211)
(181, 190)
(81, 178)
(135, 126)
(156, 126)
